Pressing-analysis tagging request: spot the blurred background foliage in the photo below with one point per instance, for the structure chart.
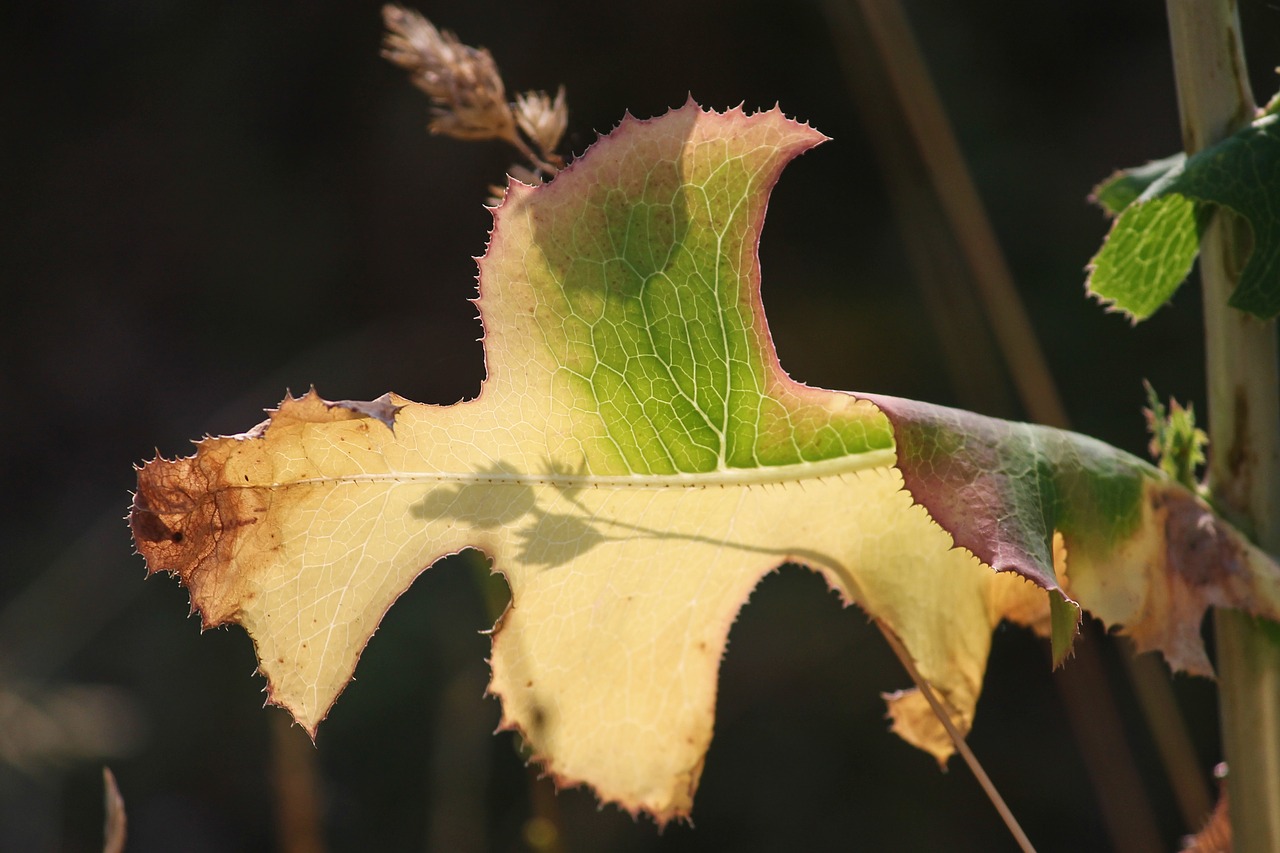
(204, 204)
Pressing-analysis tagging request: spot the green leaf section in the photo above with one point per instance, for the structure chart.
(1001, 489)
(1161, 207)
(645, 276)
(1147, 255)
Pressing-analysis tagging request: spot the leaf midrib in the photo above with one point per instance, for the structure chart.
(763, 475)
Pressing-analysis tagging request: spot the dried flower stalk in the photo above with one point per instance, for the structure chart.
(468, 97)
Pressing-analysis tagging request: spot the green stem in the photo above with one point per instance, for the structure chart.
(1244, 422)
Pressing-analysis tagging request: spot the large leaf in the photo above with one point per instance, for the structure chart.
(638, 460)
(1161, 208)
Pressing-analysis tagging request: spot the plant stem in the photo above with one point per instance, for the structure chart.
(958, 740)
(1244, 422)
(538, 163)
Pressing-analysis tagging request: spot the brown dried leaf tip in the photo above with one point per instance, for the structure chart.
(467, 94)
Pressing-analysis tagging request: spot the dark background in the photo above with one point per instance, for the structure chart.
(203, 204)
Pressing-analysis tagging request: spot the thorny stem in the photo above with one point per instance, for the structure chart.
(958, 739)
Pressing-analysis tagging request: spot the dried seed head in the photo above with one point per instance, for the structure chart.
(466, 90)
(543, 120)
(467, 94)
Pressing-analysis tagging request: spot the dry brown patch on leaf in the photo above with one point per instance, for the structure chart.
(187, 522)
(1192, 561)
(199, 517)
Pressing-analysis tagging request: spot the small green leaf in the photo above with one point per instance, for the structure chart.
(1154, 240)
(1148, 253)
